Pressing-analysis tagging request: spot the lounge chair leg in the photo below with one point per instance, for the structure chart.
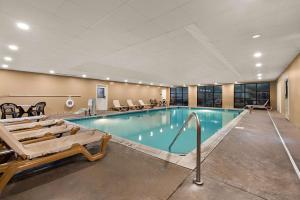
(59, 123)
(8, 173)
(74, 130)
(104, 141)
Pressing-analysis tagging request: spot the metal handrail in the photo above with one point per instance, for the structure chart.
(197, 180)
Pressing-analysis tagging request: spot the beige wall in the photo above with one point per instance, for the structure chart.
(192, 96)
(292, 73)
(228, 96)
(24, 83)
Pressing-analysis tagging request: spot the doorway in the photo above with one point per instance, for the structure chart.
(101, 97)
(286, 98)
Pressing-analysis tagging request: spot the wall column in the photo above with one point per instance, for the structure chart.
(228, 96)
(192, 96)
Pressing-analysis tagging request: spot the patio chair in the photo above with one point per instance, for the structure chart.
(264, 106)
(133, 106)
(153, 102)
(37, 109)
(34, 125)
(141, 102)
(33, 155)
(118, 106)
(10, 109)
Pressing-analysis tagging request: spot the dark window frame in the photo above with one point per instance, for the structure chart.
(179, 96)
(243, 95)
(210, 94)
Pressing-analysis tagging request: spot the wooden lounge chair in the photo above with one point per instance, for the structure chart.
(22, 120)
(118, 106)
(36, 154)
(265, 106)
(34, 125)
(133, 106)
(141, 102)
(45, 133)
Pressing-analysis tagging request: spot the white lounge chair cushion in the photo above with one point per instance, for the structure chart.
(116, 103)
(61, 144)
(32, 125)
(42, 132)
(130, 103)
(142, 102)
(11, 120)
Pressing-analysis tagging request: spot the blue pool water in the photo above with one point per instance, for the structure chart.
(157, 128)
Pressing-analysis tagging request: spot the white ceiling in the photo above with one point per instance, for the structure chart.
(172, 42)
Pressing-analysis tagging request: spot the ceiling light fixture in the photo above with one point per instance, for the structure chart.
(107, 78)
(258, 64)
(259, 78)
(216, 83)
(23, 26)
(4, 66)
(259, 74)
(7, 58)
(256, 36)
(126, 81)
(83, 75)
(151, 83)
(257, 54)
(236, 82)
(13, 47)
(140, 82)
(52, 72)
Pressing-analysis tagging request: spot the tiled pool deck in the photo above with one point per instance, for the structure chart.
(249, 163)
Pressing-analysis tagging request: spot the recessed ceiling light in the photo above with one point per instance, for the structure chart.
(256, 36)
(52, 72)
(258, 64)
(83, 75)
(126, 81)
(151, 83)
(259, 74)
(4, 66)
(259, 78)
(140, 82)
(23, 26)
(13, 47)
(257, 54)
(107, 78)
(7, 58)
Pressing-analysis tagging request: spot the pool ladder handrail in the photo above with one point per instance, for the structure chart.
(197, 180)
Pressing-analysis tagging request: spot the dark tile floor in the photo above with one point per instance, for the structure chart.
(249, 163)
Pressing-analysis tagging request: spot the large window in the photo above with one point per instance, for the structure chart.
(179, 96)
(251, 94)
(209, 96)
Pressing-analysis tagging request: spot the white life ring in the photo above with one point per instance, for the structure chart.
(70, 103)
